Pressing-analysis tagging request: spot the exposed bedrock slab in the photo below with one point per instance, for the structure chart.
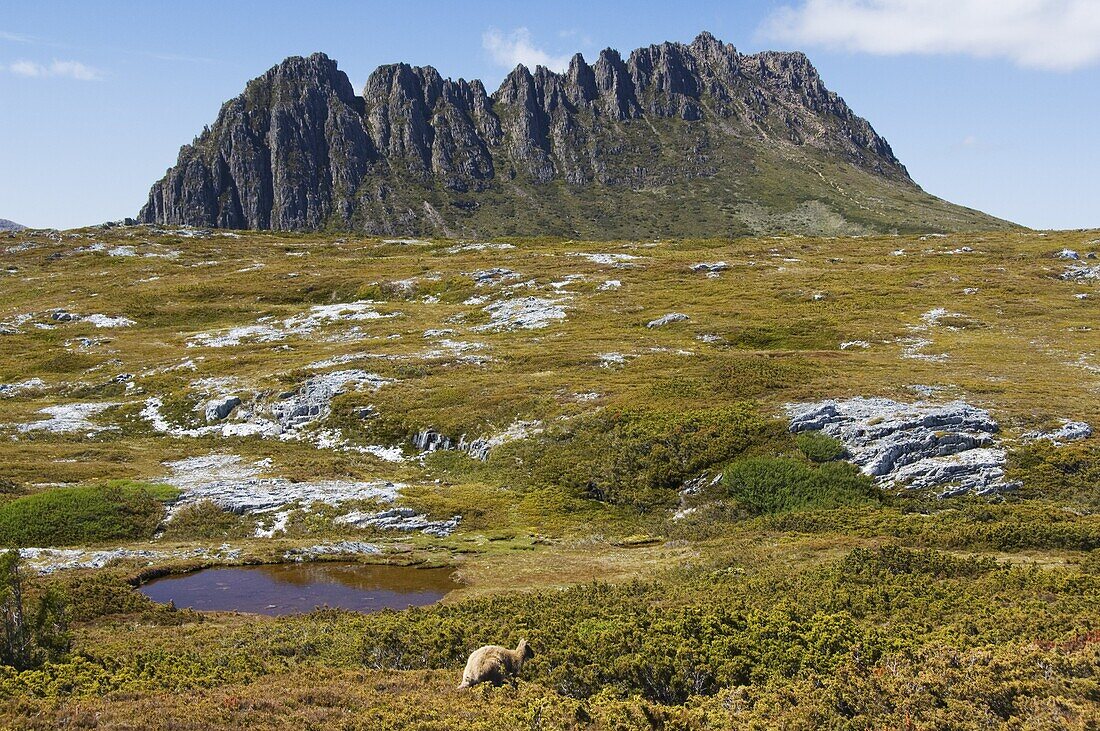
(403, 519)
(951, 447)
(238, 487)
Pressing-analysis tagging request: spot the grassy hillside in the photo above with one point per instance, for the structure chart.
(783, 589)
(742, 187)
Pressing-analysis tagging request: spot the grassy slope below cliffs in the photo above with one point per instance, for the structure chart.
(740, 187)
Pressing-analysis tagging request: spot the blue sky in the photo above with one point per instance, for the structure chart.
(990, 103)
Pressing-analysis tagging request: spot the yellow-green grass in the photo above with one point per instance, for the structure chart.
(1021, 345)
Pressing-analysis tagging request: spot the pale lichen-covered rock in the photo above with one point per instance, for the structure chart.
(710, 267)
(240, 487)
(1070, 431)
(402, 519)
(285, 418)
(45, 561)
(1081, 273)
(950, 447)
(14, 389)
(219, 408)
(667, 319)
(69, 418)
(338, 548)
(311, 401)
(430, 440)
(522, 313)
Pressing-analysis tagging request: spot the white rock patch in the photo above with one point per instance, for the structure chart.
(283, 418)
(235, 486)
(49, 560)
(1070, 431)
(621, 261)
(667, 319)
(69, 418)
(948, 447)
(522, 313)
(403, 519)
(339, 548)
(268, 330)
(14, 389)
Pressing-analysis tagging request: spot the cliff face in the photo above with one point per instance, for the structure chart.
(286, 154)
(754, 142)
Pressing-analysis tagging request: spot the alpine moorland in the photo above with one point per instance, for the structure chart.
(756, 482)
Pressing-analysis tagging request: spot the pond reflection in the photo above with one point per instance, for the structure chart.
(278, 589)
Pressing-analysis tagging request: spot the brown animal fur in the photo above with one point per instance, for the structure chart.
(495, 664)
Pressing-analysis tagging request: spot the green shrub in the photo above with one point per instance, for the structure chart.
(641, 458)
(1068, 474)
(771, 485)
(973, 523)
(206, 520)
(33, 628)
(117, 510)
(819, 446)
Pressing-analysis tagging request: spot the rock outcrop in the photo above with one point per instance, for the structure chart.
(950, 448)
(667, 319)
(1070, 431)
(6, 225)
(420, 154)
(430, 440)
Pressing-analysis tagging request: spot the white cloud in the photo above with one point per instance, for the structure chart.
(14, 37)
(27, 68)
(517, 47)
(1058, 35)
(60, 69)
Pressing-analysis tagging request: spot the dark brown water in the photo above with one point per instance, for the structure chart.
(302, 587)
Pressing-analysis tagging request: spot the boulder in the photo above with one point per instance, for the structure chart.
(667, 319)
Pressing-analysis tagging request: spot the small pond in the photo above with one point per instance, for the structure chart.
(301, 587)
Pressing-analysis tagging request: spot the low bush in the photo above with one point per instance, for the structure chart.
(117, 510)
(773, 485)
(695, 634)
(641, 458)
(970, 524)
(206, 520)
(819, 446)
(1068, 474)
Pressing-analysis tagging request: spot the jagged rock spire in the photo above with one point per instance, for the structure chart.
(298, 150)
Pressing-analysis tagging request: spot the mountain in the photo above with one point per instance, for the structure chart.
(677, 140)
(6, 225)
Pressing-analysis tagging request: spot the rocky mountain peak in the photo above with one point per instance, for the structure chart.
(420, 152)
